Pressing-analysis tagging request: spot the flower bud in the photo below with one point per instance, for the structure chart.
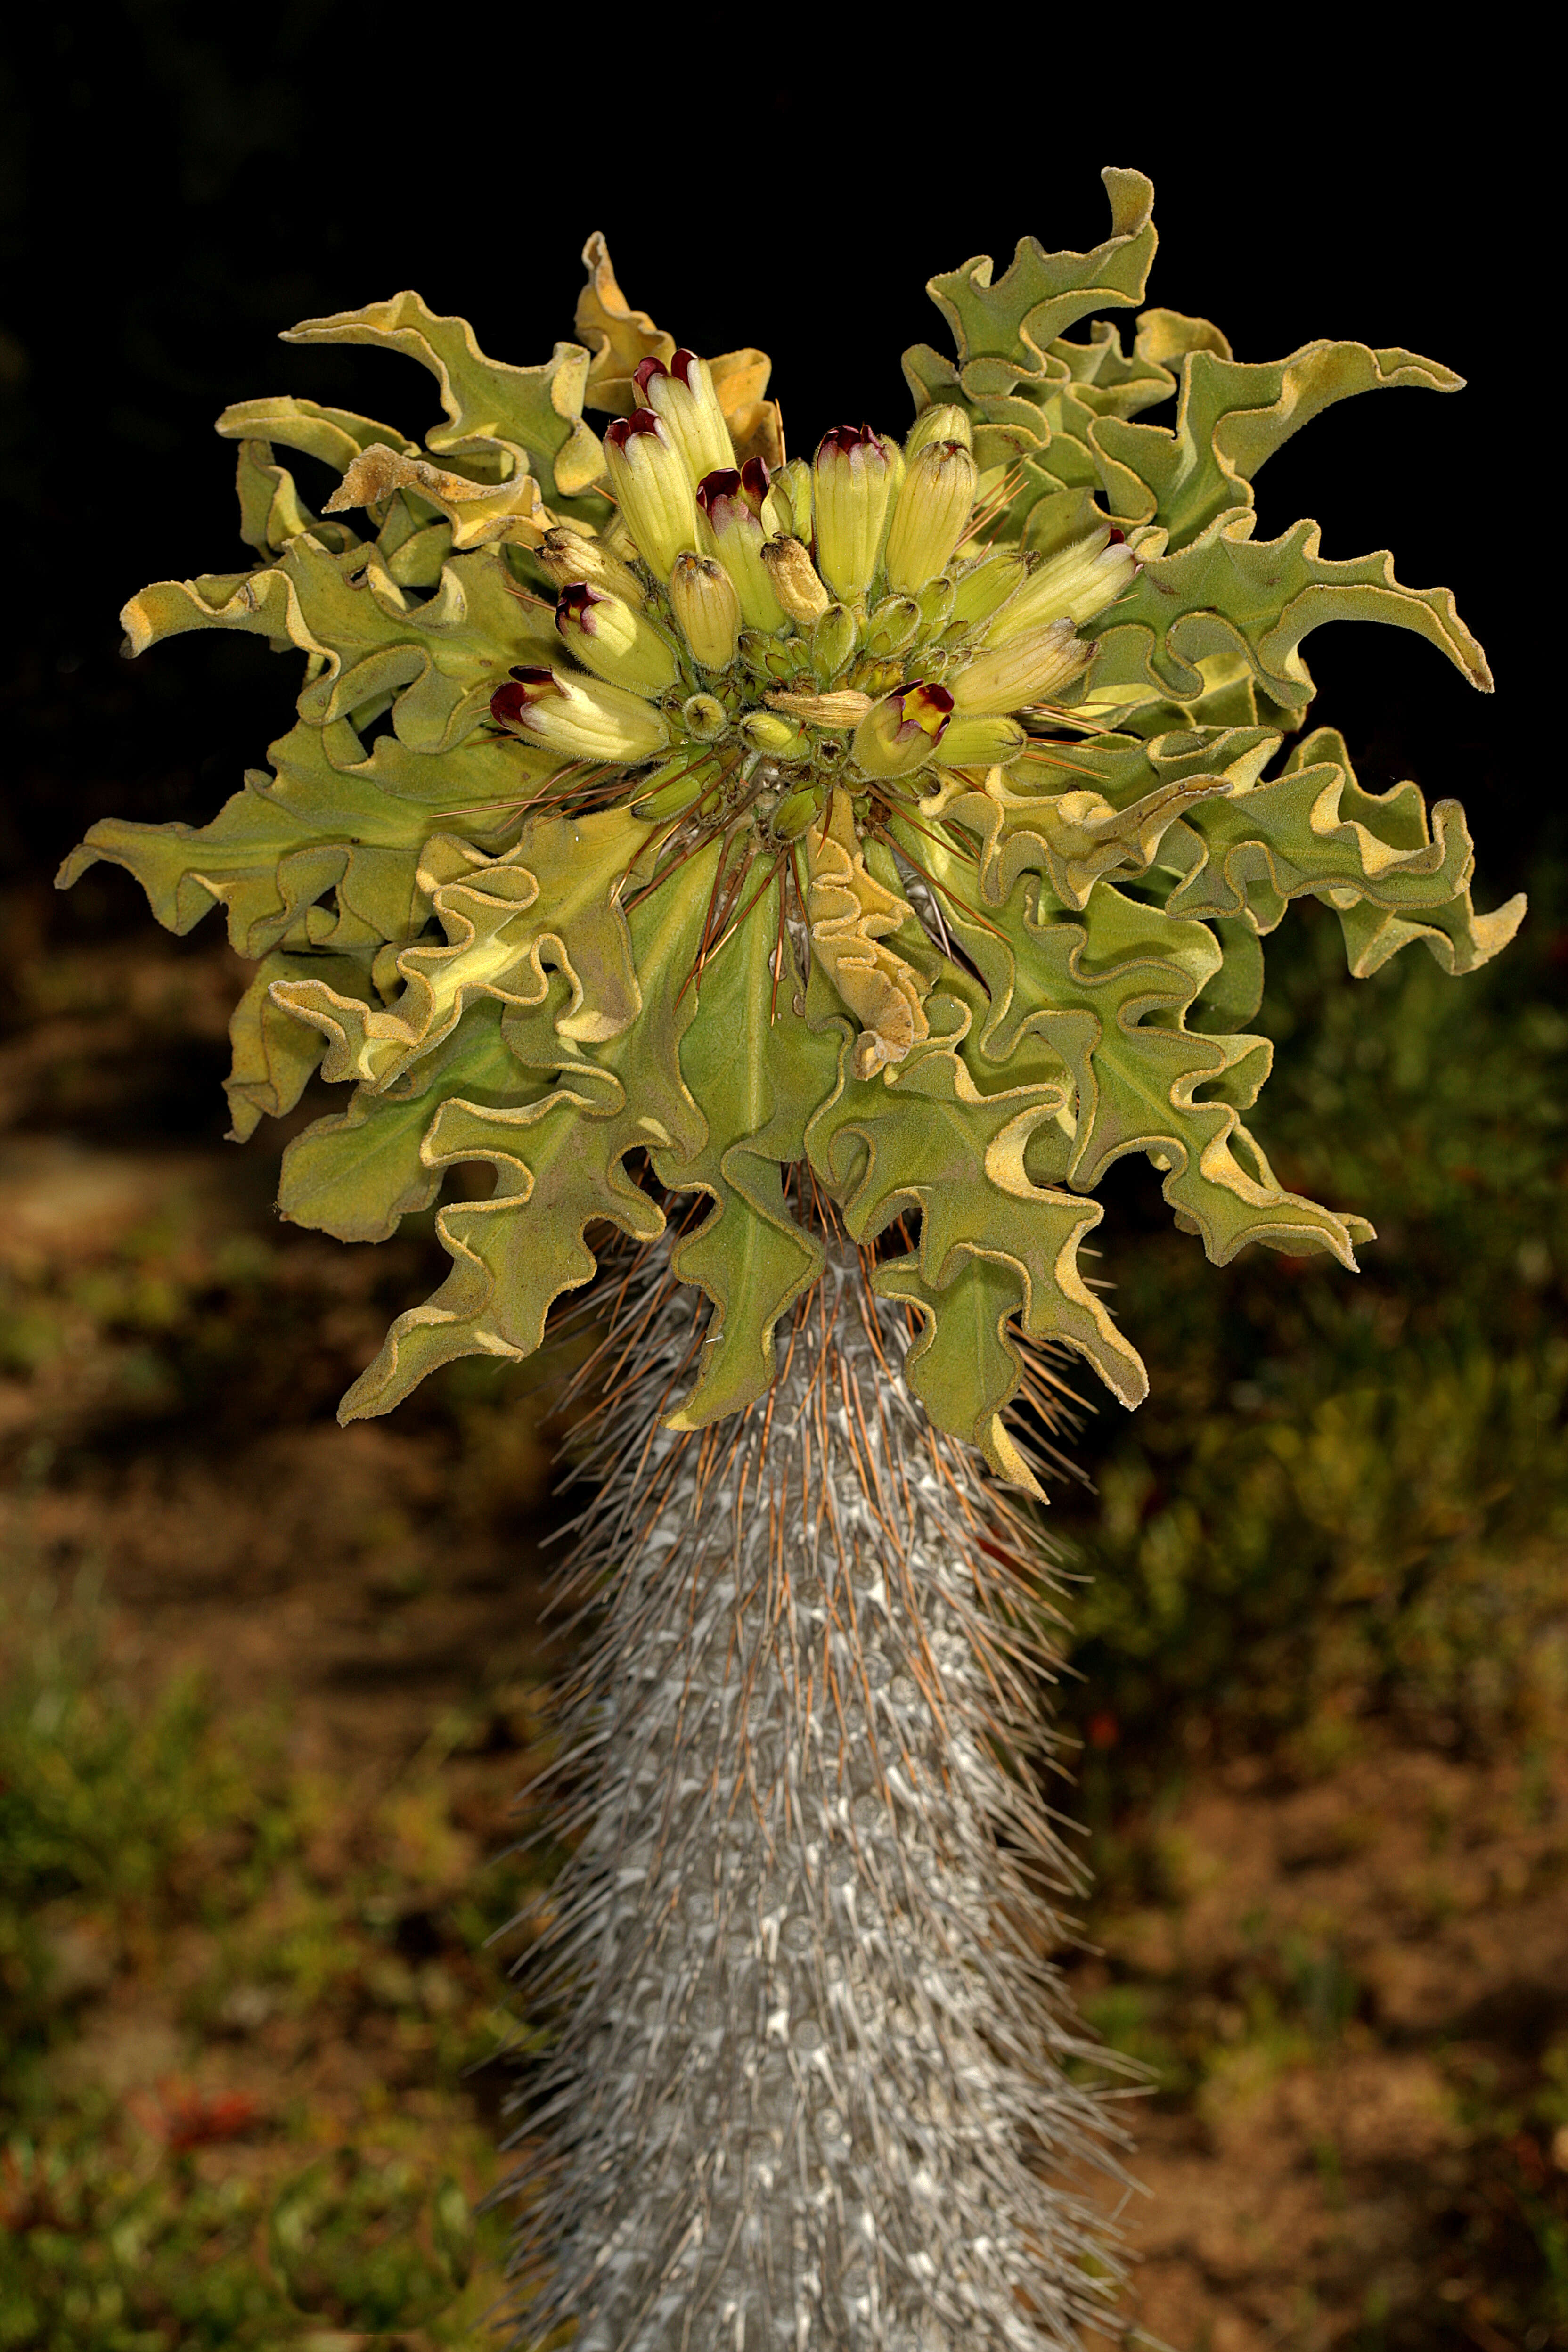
(579, 717)
(1074, 585)
(794, 812)
(973, 740)
(567, 557)
(933, 507)
(732, 531)
(984, 586)
(704, 716)
(658, 496)
(935, 602)
(788, 509)
(677, 793)
(682, 397)
(1023, 670)
(609, 639)
(781, 738)
(832, 640)
(944, 423)
(890, 626)
(794, 582)
(850, 482)
(901, 733)
(702, 597)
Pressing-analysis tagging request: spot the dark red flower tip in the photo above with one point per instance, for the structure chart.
(507, 703)
(646, 370)
(723, 482)
(846, 439)
(935, 697)
(573, 603)
(680, 365)
(755, 480)
(1116, 539)
(641, 420)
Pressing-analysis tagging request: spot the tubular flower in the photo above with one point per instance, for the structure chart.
(933, 506)
(1022, 669)
(587, 717)
(614, 641)
(730, 509)
(702, 597)
(658, 491)
(852, 477)
(682, 397)
(874, 851)
(1073, 586)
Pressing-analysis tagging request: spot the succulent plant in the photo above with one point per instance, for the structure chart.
(873, 850)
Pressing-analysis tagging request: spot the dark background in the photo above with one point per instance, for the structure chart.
(179, 188)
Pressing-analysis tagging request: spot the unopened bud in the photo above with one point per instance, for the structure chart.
(788, 508)
(704, 716)
(567, 557)
(983, 587)
(946, 422)
(781, 738)
(677, 793)
(891, 625)
(901, 733)
(614, 642)
(579, 717)
(850, 482)
(702, 597)
(935, 602)
(794, 582)
(682, 397)
(1023, 670)
(794, 812)
(974, 740)
(1073, 585)
(729, 506)
(832, 640)
(657, 493)
(933, 507)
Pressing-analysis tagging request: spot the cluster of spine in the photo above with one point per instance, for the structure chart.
(814, 2061)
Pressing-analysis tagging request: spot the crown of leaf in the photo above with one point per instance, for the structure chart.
(888, 839)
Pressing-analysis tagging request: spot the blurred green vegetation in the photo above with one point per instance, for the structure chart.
(149, 1849)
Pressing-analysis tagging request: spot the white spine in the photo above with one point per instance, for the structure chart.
(817, 2085)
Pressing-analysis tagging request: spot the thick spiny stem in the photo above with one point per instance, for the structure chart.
(813, 2070)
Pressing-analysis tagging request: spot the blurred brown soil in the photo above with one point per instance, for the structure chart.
(1355, 2167)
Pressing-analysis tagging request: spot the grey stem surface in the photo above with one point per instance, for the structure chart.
(818, 2081)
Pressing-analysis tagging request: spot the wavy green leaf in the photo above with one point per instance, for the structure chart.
(1231, 417)
(757, 1070)
(356, 1174)
(1313, 830)
(485, 400)
(273, 1056)
(921, 1137)
(1227, 595)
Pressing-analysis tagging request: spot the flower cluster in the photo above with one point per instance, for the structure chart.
(778, 657)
